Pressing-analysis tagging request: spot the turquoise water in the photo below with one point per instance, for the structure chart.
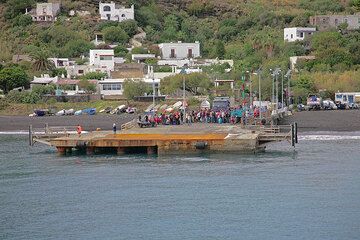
(313, 193)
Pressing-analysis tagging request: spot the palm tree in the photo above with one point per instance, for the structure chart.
(40, 60)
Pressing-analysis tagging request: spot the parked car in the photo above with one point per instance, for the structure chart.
(329, 105)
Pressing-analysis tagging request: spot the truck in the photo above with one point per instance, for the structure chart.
(221, 103)
(347, 100)
(314, 102)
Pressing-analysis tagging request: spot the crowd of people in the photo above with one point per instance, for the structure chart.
(232, 116)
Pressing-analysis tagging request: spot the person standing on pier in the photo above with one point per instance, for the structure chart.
(114, 128)
(79, 130)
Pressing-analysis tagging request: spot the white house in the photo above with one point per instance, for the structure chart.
(61, 62)
(115, 87)
(102, 60)
(45, 12)
(297, 33)
(44, 79)
(71, 86)
(179, 50)
(115, 12)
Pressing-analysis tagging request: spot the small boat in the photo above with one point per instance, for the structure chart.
(131, 110)
(119, 109)
(61, 113)
(77, 113)
(163, 107)
(106, 110)
(150, 108)
(69, 112)
(177, 104)
(41, 112)
(89, 111)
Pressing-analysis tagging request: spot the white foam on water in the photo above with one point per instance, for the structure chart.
(27, 132)
(328, 137)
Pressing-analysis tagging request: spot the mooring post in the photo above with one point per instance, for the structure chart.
(120, 151)
(293, 134)
(151, 150)
(61, 151)
(90, 150)
(296, 131)
(31, 140)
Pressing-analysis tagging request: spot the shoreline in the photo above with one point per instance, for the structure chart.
(308, 121)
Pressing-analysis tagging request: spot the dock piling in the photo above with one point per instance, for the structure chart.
(31, 140)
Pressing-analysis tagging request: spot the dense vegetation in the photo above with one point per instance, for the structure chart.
(249, 32)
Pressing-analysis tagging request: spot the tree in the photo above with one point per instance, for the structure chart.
(13, 77)
(94, 75)
(134, 88)
(129, 26)
(22, 20)
(219, 49)
(87, 85)
(76, 48)
(58, 72)
(120, 51)
(41, 60)
(16, 7)
(196, 83)
(115, 35)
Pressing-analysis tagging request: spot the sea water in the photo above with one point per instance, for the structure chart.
(312, 192)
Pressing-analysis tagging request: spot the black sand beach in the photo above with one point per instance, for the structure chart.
(339, 120)
(89, 123)
(308, 121)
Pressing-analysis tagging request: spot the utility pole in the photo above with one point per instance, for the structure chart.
(183, 72)
(282, 89)
(259, 73)
(153, 80)
(288, 75)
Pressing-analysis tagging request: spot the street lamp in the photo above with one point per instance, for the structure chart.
(258, 72)
(183, 72)
(250, 94)
(288, 76)
(153, 85)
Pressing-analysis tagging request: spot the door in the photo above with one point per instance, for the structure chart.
(190, 53)
(172, 54)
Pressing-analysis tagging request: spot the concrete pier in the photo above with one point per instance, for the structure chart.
(183, 139)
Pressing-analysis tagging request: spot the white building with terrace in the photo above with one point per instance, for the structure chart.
(298, 33)
(179, 50)
(45, 12)
(115, 12)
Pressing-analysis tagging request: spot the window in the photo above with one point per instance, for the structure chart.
(301, 34)
(80, 71)
(123, 15)
(106, 58)
(112, 87)
(291, 36)
(107, 9)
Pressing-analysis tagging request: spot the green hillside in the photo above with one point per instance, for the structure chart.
(248, 31)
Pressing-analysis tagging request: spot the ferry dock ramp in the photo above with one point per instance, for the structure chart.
(164, 140)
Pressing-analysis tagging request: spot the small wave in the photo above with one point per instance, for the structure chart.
(15, 133)
(327, 137)
(27, 132)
